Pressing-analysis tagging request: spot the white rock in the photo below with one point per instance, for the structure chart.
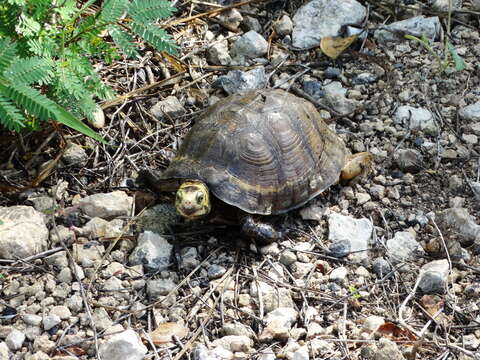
(22, 232)
(15, 340)
(372, 323)
(335, 97)
(152, 251)
(51, 320)
(98, 118)
(418, 25)
(169, 108)
(434, 276)
(339, 274)
(4, 351)
(321, 18)
(403, 247)
(234, 343)
(126, 346)
(107, 206)
(416, 119)
(218, 53)
(283, 26)
(75, 155)
(357, 232)
(251, 45)
(471, 112)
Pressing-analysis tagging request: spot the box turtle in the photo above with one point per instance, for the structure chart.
(265, 152)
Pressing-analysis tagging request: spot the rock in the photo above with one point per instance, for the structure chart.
(476, 5)
(23, 232)
(372, 323)
(251, 23)
(61, 311)
(417, 26)
(15, 340)
(455, 182)
(471, 112)
(189, 258)
(339, 274)
(101, 319)
(408, 160)
(443, 5)
(232, 18)
(277, 298)
(362, 198)
(4, 353)
(74, 155)
(287, 258)
(459, 220)
(43, 343)
(236, 80)
(381, 267)
(45, 204)
(312, 212)
(283, 26)
(279, 323)
(403, 247)
(107, 206)
(250, 45)
(159, 219)
(321, 18)
(215, 271)
(200, 352)
(434, 276)
(98, 227)
(234, 343)
(364, 78)
(470, 139)
(152, 251)
(126, 346)
(357, 232)
(387, 350)
(314, 88)
(217, 54)
(32, 319)
(340, 248)
(168, 108)
(160, 287)
(167, 332)
(335, 98)
(50, 321)
(416, 119)
(237, 329)
(98, 118)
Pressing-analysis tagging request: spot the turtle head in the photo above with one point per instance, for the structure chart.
(192, 199)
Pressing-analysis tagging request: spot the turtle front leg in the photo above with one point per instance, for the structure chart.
(356, 164)
(261, 231)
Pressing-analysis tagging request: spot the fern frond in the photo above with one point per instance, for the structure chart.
(157, 37)
(30, 99)
(112, 10)
(30, 70)
(7, 55)
(10, 116)
(124, 41)
(8, 16)
(146, 11)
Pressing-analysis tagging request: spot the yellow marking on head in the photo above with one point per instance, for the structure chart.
(192, 199)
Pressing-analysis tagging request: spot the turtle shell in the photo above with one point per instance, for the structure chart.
(263, 151)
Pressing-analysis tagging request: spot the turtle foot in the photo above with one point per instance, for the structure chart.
(260, 231)
(357, 165)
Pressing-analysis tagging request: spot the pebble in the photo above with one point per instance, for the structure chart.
(409, 160)
(357, 232)
(372, 323)
(50, 321)
(387, 350)
(279, 323)
(321, 18)
(215, 271)
(314, 88)
(126, 345)
(335, 97)
(236, 80)
(470, 112)
(101, 319)
(234, 343)
(61, 311)
(218, 54)
(238, 329)
(419, 25)
(459, 220)
(168, 108)
(88, 254)
(160, 287)
(362, 198)
(152, 251)
(287, 257)
(4, 353)
(106, 205)
(75, 155)
(403, 247)
(250, 45)
(32, 319)
(15, 340)
(339, 274)
(413, 118)
(189, 258)
(277, 298)
(434, 276)
(251, 23)
(22, 222)
(283, 26)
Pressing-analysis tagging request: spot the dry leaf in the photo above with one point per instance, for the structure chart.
(177, 65)
(334, 46)
(433, 305)
(395, 332)
(165, 332)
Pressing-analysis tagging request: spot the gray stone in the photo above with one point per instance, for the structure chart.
(231, 18)
(98, 227)
(15, 340)
(339, 274)
(356, 231)
(168, 108)
(403, 247)
(287, 257)
(4, 353)
(236, 80)
(238, 329)
(471, 112)
(387, 350)
(312, 212)
(444, 5)
(335, 98)
(434, 276)
(45, 204)
(416, 26)
(251, 23)
(88, 254)
(160, 287)
(459, 220)
(283, 26)
(189, 258)
(321, 18)
(32, 319)
(416, 119)
(50, 321)
(215, 271)
(277, 298)
(234, 343)
(408, 160)
(279, 323)
(153, 252)
(126, 346)
(101, 319)
(75, 155)
(107, 206)
(340, 248)
(61, 311)
(250, 45)
(218, 53)
(22, 232)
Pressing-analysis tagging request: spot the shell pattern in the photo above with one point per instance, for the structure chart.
(263, 151)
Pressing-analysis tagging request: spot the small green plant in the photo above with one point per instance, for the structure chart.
(354, 292)
(450, 49)
(48, 48)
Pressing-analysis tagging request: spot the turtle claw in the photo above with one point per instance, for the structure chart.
(261, 231)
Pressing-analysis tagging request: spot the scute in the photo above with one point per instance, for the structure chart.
(263, 151)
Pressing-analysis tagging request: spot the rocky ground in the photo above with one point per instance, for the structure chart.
(387, 268)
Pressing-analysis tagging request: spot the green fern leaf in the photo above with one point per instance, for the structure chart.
(146, 11)
(30, 99)
(10, 115)
(29, 71)
(112, 10)
(157, 37)
(124, 41)
(8, 16)
(7, 55)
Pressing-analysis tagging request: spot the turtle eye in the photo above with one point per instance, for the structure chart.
(199, 198)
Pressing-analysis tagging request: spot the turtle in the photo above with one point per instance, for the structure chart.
(264, 152)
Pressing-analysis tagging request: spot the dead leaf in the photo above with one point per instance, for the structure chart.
(395, 332)
(334, 46)
(165, 332)
(433, 305)
(177, 65)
